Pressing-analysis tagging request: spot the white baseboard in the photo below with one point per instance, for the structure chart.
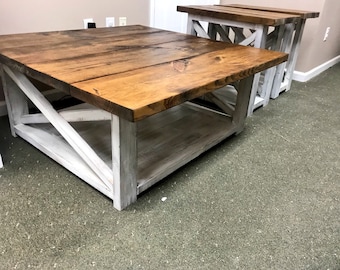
(3, 108)
(306, 76)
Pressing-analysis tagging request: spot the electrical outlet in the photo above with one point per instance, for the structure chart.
(326, 33)
(110, 21)
(86, 21)
(122, 21)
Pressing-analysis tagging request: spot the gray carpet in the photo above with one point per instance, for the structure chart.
(266, 199)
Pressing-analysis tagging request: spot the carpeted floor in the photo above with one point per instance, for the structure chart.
(266, 199)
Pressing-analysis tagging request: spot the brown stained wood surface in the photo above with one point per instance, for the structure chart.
(302, 13)
(132, 71)
(239, 14)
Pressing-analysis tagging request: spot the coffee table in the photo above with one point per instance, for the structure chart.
(138, 119)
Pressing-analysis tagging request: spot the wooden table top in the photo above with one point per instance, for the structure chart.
(237, 14)
(132, 71)
(302, 13)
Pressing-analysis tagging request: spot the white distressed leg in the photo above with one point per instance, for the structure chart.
(294, 52)
(260, 42)
(242, 102)
(1, 163)
(190, 26)
(15, 100)
(124, 162)
(285, 47)
(273, 73)
(63, 127)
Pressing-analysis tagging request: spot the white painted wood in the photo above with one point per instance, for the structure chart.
(243, 102)
(200, 30)
(70, 116)
(49, 141)
(16, 101)
(1, 163)
(259, 42)
(64, 128)
(267, 85)
(190, 25)
(264, 91)
(247, 41)
(258, 102)
(124, 161)
(285, 47)
(294, 52)
(258, 38)
(164, 145)
(222, 21)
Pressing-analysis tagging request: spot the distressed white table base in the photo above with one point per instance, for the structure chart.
(284, 84)
(259, 36)
(117, 157)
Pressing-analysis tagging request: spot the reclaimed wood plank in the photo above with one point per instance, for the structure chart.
(43, 39)
(238, 14)
(122, 59)
(124, 161)
(138, 94)
(302, 13)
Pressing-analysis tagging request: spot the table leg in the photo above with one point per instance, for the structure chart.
(62, 142)
(16, 102)
(242, 103)
(260, 42)
(124, 161)
(285, 47)
(190, 26)
(294, 52)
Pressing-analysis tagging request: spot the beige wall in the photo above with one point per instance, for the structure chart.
(322, 51)
(313, 51)
(17, 16)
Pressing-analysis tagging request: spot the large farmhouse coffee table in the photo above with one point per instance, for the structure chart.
(140, 118)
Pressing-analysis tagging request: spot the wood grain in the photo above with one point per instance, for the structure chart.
(132, 71)
(239, 14)
(302, 13)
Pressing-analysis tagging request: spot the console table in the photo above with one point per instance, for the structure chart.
(138, 120)
(258, 27)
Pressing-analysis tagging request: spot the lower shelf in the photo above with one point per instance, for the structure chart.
(166, 141)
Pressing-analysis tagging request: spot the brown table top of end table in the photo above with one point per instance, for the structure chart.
(301, 13)
(268, 18)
